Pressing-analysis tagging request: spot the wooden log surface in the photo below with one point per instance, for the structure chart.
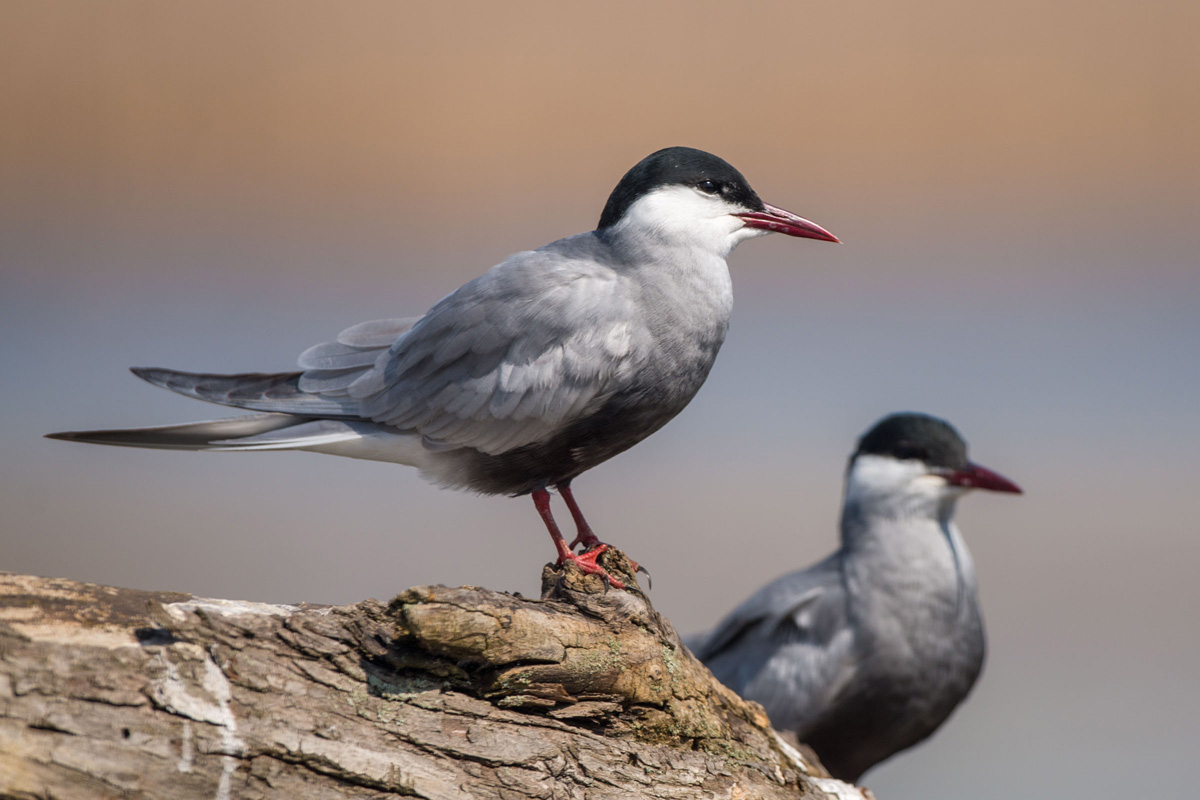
(441, 693)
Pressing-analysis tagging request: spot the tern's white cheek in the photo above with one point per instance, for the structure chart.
(745, 232)
(929, 484)
(874, 476)
(889, 486)
(686, 216)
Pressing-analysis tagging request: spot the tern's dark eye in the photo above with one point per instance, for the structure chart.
(708, 187)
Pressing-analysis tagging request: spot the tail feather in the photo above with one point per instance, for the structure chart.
(305, 435)
(258, 391)
(209, 435)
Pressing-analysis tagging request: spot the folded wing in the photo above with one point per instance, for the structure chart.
(503, 362)
(787, 647)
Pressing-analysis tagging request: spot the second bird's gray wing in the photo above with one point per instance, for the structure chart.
(789, 646)
(502, 362)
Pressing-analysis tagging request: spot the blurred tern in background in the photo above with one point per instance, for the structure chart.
(867, 652)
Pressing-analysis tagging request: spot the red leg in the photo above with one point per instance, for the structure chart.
(541, 501)
(587, 561)
(585, 536)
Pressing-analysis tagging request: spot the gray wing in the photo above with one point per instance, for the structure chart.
(354, 350)
(502, 362)
(330, 367)
(788, 646)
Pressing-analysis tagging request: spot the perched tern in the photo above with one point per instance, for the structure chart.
(552, 362)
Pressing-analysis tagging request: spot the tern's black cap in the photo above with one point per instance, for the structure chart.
(915, 436)
(686, 166)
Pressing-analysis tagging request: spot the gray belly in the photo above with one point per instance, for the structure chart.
(625, 419)
(891, 710)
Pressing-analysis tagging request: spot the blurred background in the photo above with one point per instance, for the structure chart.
(217, 186)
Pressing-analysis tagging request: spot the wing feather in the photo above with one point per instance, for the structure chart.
(336, 356)
(505, 360)
(787, 646)
(377, 333)
(330, 367)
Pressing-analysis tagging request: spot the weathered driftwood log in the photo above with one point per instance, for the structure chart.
(442, 693)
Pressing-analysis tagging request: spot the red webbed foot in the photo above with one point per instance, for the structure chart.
(588, 565)
(587, 561)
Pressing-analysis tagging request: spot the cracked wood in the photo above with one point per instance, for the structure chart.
(442, 693)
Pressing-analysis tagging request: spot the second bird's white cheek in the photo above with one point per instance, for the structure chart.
(893, 487)
(931, 485)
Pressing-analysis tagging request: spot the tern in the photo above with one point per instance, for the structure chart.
(867, 652)
(550, 363)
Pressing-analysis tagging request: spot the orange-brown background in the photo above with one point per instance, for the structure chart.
(217, 186)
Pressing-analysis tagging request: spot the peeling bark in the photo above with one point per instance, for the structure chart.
(442, 693)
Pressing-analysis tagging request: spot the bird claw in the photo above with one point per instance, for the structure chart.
(639, 568)
(588, 566)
